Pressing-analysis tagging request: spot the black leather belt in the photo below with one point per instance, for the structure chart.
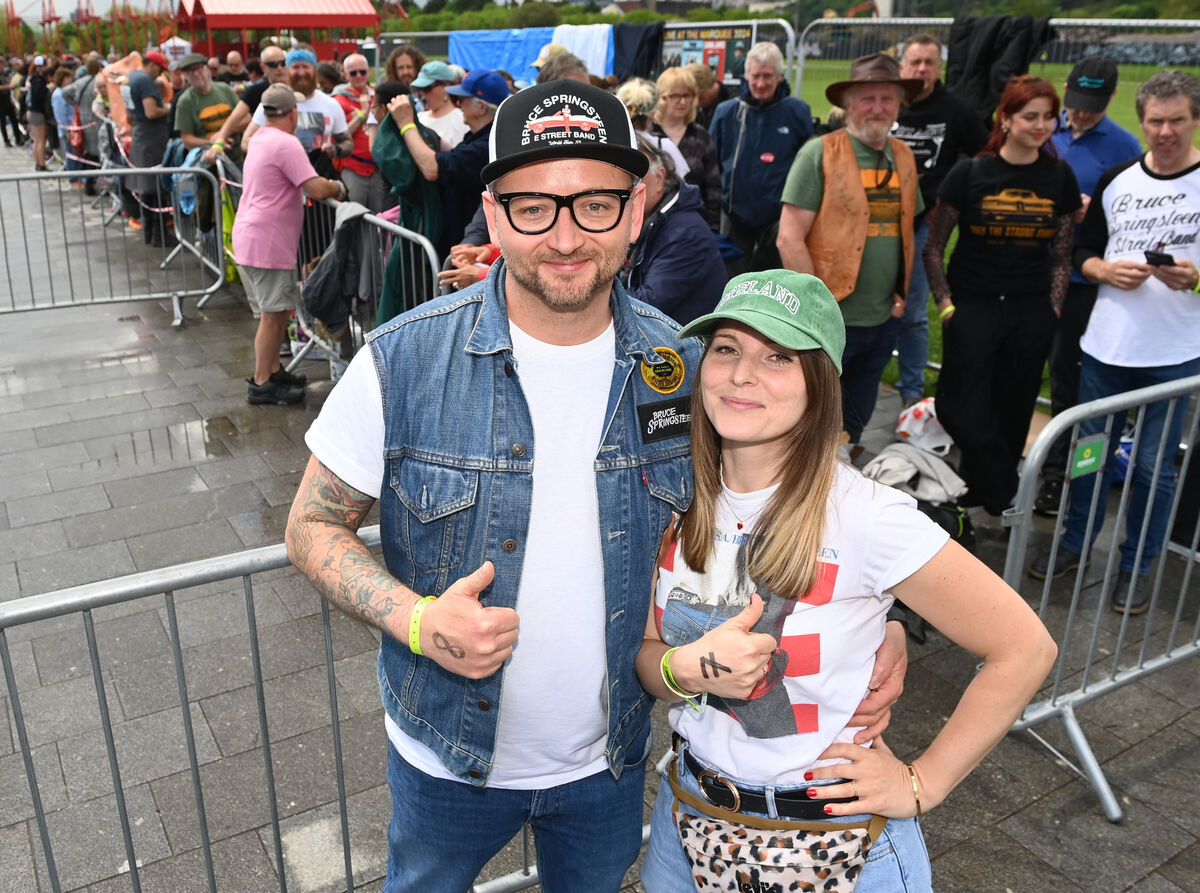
(720, 791)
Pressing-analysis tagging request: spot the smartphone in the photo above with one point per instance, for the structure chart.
(1158, 259)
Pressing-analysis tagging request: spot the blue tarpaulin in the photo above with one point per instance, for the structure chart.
(513, 50)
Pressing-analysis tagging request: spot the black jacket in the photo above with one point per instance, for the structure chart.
(985, 51)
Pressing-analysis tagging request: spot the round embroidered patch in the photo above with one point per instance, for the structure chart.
(667, 376)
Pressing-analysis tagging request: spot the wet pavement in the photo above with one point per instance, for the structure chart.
(126, 445)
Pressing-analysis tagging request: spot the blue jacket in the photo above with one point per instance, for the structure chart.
(459, 457)
(756, 143)
(676, 265)
(1091, 154)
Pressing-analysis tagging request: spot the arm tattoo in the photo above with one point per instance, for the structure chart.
(711, 661)
(1060, 259)
(445, 644)
(942, 220)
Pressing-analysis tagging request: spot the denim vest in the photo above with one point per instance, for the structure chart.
(458, 480)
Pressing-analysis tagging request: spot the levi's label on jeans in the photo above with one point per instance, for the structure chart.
(731, 857)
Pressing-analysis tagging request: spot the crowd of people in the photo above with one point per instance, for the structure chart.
(550, 422)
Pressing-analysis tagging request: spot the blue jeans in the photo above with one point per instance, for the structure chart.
(442, 833)
(1098, 380)
(897, 862)
(914, 334)
(868, 349)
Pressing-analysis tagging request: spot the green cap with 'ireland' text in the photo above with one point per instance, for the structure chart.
(794, 310)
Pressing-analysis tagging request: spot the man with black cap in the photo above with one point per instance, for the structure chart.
(1091, 143)
(527, 441)
(849, 205)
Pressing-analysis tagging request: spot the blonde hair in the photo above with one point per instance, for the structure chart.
(788, 538)
(640, 98)
(701, 74)
(674, 79)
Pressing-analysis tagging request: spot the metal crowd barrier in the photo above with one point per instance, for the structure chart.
(1099, 650)
(241, 568)
(56, 249)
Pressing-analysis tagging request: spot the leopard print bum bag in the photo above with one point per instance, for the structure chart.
(739, 853)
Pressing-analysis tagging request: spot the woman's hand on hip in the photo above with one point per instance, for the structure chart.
(874, 775)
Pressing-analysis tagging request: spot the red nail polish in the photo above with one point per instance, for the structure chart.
(808, 776)
(828, 809)
(811, 792)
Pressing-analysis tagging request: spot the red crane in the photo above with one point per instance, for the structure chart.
(89, 27)
(16, 43)
(50, 35)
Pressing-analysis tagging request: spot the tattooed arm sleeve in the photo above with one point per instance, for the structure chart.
(942, 220)
(1060, 260)
(322, 541)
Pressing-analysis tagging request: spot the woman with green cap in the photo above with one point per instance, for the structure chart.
(770, 600)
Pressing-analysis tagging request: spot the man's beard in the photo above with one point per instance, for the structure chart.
(563, 294)
(874, 131)
(303, 83)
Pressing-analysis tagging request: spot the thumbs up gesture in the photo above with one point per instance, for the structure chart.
(464, 636)
(728, 661)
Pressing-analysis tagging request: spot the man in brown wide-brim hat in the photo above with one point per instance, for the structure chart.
(848, 210)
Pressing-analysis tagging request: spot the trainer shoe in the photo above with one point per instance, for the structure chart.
(1126, 602)
(1048, 499)
(271, 393)
(1064, 562)
(289, 379)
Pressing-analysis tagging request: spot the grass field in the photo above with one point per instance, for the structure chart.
(820, 73)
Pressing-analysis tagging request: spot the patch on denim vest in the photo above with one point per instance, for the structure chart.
(664, 419)
(667, 376)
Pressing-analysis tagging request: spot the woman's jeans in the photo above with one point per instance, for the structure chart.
(897, 862)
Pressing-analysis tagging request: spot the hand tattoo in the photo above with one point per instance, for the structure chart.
(711, 661)
(445, 644)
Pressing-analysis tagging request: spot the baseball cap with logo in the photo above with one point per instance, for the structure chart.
(482, 84)
(562, 119)
(794, 310)
(1091, 84)
(158, 59)
(278, 100)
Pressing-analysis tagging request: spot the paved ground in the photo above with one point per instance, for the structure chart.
(126, 445)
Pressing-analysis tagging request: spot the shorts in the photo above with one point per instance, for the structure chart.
(36, 119)
(270, 291)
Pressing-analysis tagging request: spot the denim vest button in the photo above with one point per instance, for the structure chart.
(518, 450)
(509, 545)
(474, 773)
(484, 705)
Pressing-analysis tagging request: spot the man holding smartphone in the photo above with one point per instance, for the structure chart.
(1145, 326)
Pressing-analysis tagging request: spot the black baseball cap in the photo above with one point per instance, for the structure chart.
(1091, 84)
(562, 119)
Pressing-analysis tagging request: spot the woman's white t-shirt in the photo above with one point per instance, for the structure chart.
(874, 538)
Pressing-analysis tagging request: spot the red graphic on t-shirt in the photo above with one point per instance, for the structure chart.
(822, 589)
(766, 157)
(804, 654)
(806, 718)
(668, 560)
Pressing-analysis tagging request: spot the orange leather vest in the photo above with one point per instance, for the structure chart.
(839, 231)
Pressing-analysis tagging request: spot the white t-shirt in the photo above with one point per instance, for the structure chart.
(874, 539)
(451, 128)
(552, 726)
(320, 116)
(1151, 325)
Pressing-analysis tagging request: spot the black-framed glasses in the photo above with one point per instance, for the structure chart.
(595, 211)
(274, 64)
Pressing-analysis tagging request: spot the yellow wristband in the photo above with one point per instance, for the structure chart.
(218, 144)
(912, 776)
(949, 309)
(407, 127)
(361, 115)
(414, 624)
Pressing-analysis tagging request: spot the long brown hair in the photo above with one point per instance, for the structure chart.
(1018, 93)
(783, 553)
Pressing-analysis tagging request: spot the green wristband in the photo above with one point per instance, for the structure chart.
(414, 624)
(949, 309)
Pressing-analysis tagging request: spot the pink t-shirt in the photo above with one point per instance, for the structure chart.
(266, 231)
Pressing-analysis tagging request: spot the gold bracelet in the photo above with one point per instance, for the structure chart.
(912, 776)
